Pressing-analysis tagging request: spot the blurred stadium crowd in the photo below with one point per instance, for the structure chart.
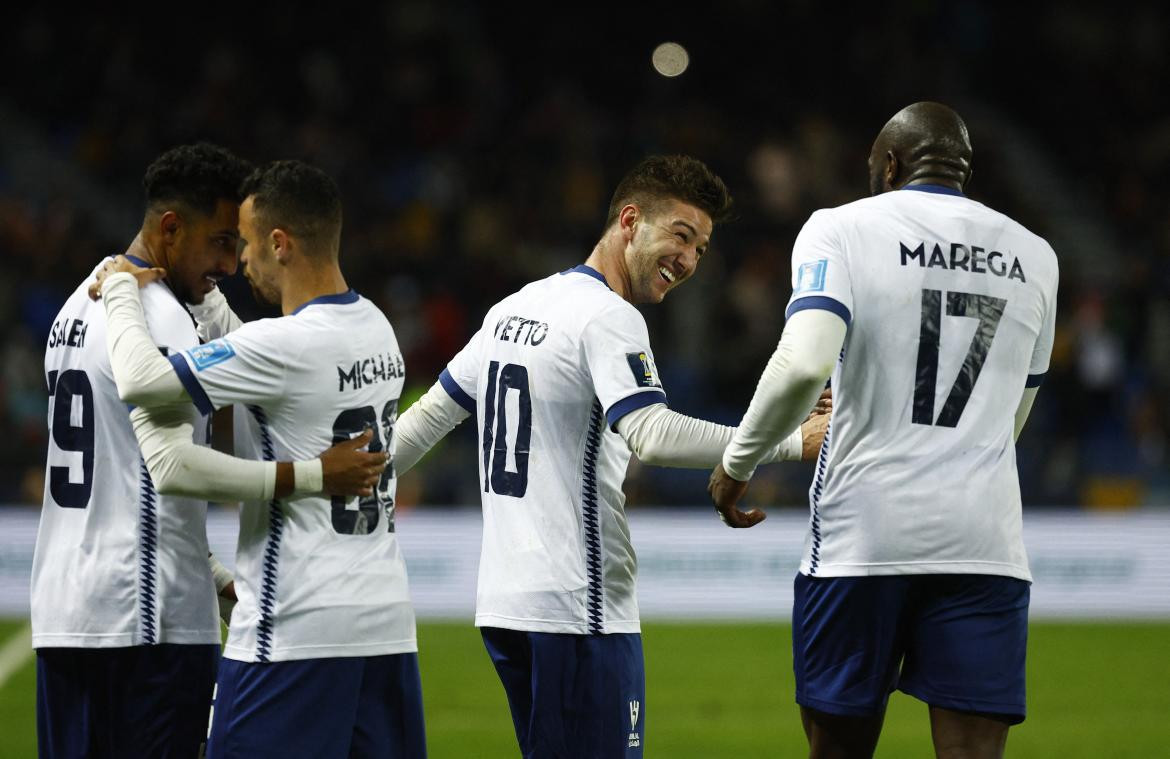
(476, 149)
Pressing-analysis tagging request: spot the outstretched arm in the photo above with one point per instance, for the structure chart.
(788, 388)
(161, 421)
(661, 437)
(422, 425)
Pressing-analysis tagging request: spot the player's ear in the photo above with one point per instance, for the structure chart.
(279, 241)
(892, 168)
(170, 225)
(628, 218)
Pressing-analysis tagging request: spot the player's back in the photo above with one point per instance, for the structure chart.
(952, 307)
(548, 373)
(116, 564)
(316, 576)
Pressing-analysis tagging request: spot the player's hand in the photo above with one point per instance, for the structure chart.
(726, 492)
(120, 264)
(812, 431)
(824, 404)
(348, 470)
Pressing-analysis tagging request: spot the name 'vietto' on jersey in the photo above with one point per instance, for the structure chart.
(116, 564)
(551, 371)
(951, 309)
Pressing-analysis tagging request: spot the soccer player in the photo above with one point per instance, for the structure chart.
(564, 386)
(934, 314)
(124, 613)
(321, 654)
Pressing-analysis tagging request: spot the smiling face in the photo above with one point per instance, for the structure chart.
(202, 250)
(665, 249)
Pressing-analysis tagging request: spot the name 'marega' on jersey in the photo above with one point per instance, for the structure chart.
(951, 308)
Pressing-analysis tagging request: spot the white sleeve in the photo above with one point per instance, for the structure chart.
(1025, 408)
(180, 467)
(214, 317)
(788, 388)
(423, 424)
(661, 437)
(142, 375)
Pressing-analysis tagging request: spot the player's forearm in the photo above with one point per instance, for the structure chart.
(661, 437)
(214, 317)
(423, 425)
(1025, 408)
(788, 388)
(180, 467)
(142, 375)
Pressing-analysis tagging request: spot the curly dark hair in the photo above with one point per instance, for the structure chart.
(195, 175)
(298, 198)
(671, 177)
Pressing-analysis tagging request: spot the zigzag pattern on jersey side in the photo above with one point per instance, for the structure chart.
(594, 601)
(818, 486)
(271, 550)
(147, 554)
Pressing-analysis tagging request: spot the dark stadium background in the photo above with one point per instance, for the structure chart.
(476, 145)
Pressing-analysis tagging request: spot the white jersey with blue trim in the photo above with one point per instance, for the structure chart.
(116, 564)
(951, 309)
(316, 576)
(548, 375)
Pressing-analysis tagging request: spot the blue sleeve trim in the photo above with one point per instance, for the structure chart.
(452, 387)
(632, 403)
(821, 302)
(191, 384)
(1034, 380)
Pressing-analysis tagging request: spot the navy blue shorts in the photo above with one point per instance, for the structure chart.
(118, 702)
(572, 696)
(347, 706)
(954, 641)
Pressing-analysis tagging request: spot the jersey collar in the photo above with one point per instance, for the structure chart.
(935, 188)
(349, 296)
(138, 261)
(588, 271)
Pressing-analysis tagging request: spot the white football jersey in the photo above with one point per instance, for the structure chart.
(951, 308)
(116, 564)
(316, 576)
(548, 375)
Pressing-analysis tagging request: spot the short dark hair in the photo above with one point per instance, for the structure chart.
(298, 198)
(198, 176)
(666, 177)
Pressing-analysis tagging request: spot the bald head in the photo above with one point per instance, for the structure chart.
(925, 143)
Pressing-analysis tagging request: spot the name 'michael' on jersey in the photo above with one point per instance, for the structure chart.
(116, 564)
(547, 376)
(951, 308)
(316, 576)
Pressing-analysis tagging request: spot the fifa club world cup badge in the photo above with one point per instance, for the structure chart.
(635, 712)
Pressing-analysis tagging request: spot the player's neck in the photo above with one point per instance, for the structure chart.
(142, 249)
(607, 259)
(308, 283)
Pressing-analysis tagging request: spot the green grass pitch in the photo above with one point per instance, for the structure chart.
(725, 690)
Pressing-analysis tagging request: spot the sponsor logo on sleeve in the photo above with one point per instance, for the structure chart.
(644, 370)
(210, 354)
(810, 277)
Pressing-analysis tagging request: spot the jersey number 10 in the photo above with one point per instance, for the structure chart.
(988, 310)
(496, 477)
